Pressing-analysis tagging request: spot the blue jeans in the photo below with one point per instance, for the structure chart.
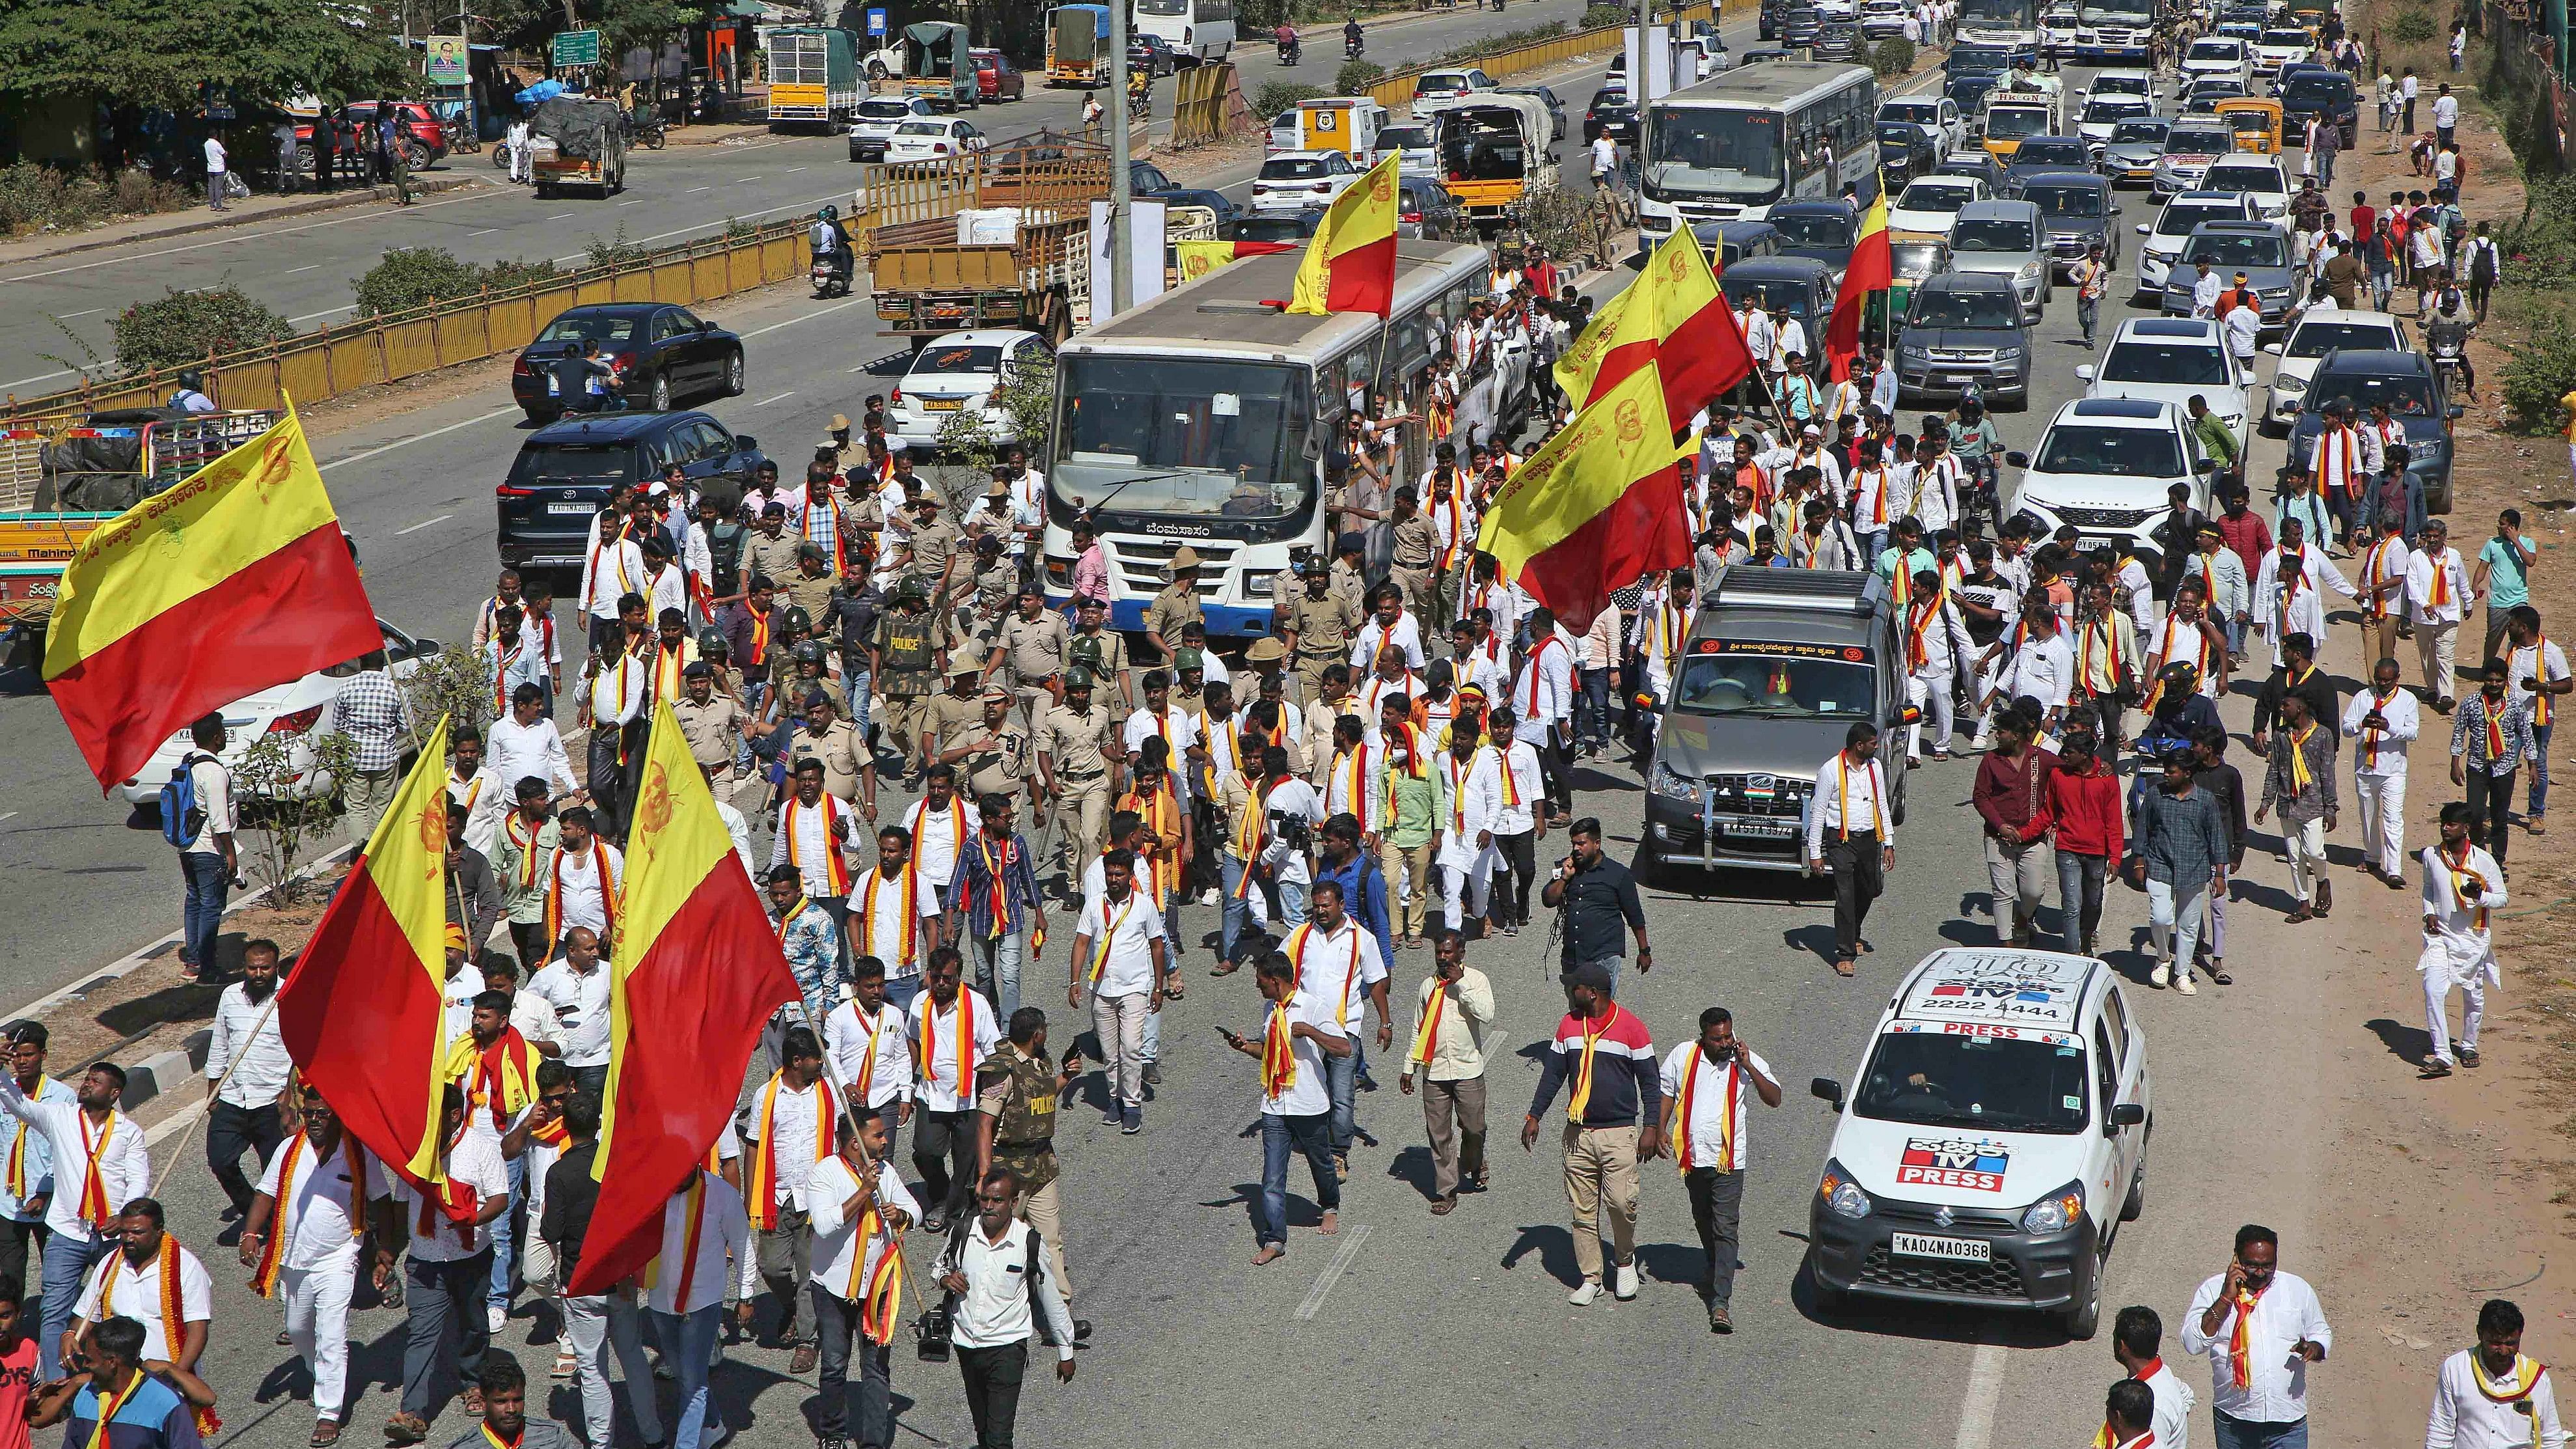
(1873, 542)
(1612, 964)
(1278, 1134)
(997, 971)
(2538, 799)
(67, 1263)
(505, 1241)
(856, 690)
(900, 991)
(688, 1341)
(1341, 1078)
(201, 920)
(1238, 912)
(1592, 722)
(1292, 903)
(2232, 1433)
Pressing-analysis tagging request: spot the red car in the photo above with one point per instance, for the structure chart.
(429, 133)
(996, 79)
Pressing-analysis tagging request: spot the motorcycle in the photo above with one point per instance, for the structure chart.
(1352, 45)
(1288, 51)
(2446, 366)
(830, 276)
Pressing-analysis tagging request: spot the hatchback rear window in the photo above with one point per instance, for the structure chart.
(592, 326)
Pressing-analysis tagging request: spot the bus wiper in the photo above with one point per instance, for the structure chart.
(1152, 478)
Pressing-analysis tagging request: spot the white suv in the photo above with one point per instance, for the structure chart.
(1993, 1142)
(2173, 360)
(2103, 466)
(2314, 334)
(1302, 180)
(2172, 227)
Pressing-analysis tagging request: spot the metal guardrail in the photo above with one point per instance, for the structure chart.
(329, 361)
(1395, 91)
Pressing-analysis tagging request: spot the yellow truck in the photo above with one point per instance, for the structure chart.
(1494, 149)
(1348, 124)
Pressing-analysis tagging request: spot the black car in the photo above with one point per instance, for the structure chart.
(660, 351)
(1425, 209)
(1968, 90)
(2411, 386)
(1836, 40)
(1610, 113)
(1753, 57)
(1144, 181)
(1802, 27)
(1735, 242)
(1904, 152)
(565, 470)
(2078, 209)
(1278, 226)
(2044, 153)
(1977, 162)
(1547, 98)
(1772, 13)
(2314, 92)
(1151, 54)
(1822, 230)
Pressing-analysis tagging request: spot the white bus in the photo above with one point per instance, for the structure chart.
(1207, 418)
(1197, 29)
(1731, 146)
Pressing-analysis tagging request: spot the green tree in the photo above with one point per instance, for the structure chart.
(148, 54)
(178, 329)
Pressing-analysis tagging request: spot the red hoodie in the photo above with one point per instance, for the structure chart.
(2086, 810)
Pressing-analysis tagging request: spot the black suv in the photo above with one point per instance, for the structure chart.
(659, 351)
(565, 469)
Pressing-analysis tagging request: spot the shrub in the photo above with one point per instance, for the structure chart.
(34, 196)
(1597, 16)
(616, 251)
(178, 328)
(1559, 220)
(1276, 96)
(1355, 77)
(2411, 27)
(501, 276)
(410, 277)
(1892, 57)
(1497, 44)
(2541, 371)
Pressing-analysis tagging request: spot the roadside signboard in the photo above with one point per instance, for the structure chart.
(876, 22)
(447, 63)
(577, 47)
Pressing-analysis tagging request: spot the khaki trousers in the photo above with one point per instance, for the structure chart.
(1453, 1115)
(1044, 1211)
(2437, 648)
(1082, 822)
(1408, 875)
(1418, 585)
(903, 716)
(1310, 676)
(1601, 1172)
(2378, 641)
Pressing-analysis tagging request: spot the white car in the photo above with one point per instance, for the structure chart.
(2260, 177)
(1936, 116)
(2103, 466)
(1992, 1143)
(934, 139)
(2218, 57)
(301, 710)
(2314, 335)
(1880, 19)
(1436, 89)
(2277, 48)
(961, 372)
(1302, 180)
(2172, 360)
(2140, 84)
(1931, 203)
(1282, 135)
(874, 123)
(2172, 227)
(1421, 157)
(2102, 115)
(2191, 147)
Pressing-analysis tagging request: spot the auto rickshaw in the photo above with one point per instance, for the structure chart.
(2256, 121)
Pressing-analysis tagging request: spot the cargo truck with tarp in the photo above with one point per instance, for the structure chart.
(577, 141)
(1078, 46)
(936, 65)
(814, 76)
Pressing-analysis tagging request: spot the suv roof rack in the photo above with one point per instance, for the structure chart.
(1830, 590)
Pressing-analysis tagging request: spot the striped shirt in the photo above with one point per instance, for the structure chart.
(1626, 1077)
(371, 712)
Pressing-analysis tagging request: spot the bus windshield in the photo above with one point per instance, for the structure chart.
(1706, 152)
(2001, 14)
(1191, 438)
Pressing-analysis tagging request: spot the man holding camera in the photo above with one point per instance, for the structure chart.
(994, 1273)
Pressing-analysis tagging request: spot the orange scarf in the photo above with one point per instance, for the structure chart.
(762, 1188)
(95, 1209)
(2440, 596)
(1510, 786)
(2495, 734)
(1278, 1054)
(2374, 566)
(526, 842)
(911, 914)
(996, 868)
(1582, 1096)
(501, 1077)
(272, 1254)
(1918, 626)
(2461, 879)
(2293, 572)
(965, 1041)
(1428, 1038)
(607, 892)
(1108, 933)
(861, 1089)
(108, 1406)
(1350, 976)
(2370, 733)
(2240, 1348)
(881, 1297)
(2540, 708)
(759, 637)
(835, 869)
(173, 1304)
(1732, 1096)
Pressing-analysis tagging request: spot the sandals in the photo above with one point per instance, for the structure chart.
(1843, 966)
(325, 1434)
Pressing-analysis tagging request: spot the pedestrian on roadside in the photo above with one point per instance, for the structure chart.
(2299, 778)
(2261, 1329)
(2503, 576)
(300, 1239)
(505, 1413)
(2408, 87)
(2092, 282)
(2085, 820)
(208, 859)
(999, 1285)
(371, 710)
(246, 1074)
(1850, 800)
(2494, 1393)
(114, 1391)
(788, 1130)
(1120, 954)
(2128, 1417)
(2182, 856)
(114, 1170)
(2490, 739)
(703, 1234)
(290, 160)
(2446, 118)
(1604, 1057)
(2463, 882)
(2011, 798)
(217, 178)
(1299, 1035)
(2137, 1344)
(1704, 1082)
(26, 1193)
(1453, 1012)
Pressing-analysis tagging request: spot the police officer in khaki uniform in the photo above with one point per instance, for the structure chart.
(822, 735)
(770, 552)
(1349, 578)
(1267, 658)
(1416, 543)
(1100, 649)
(711, 722)
(1189, 682)
(1034, 647)
(1076, 751)
(933, 545)
(1316, 626)
(847, 454)
(1016, 1093)
(957, 712)
(810, 587)
(1176, 605)
(904, 659)
(999, 756)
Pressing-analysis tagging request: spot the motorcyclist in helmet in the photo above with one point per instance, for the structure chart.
(830, 241)
(191, 395)
(2447, 337)
(1351, 35)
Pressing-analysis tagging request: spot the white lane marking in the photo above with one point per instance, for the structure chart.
(422, 438)
(808, 317)
(694, 190)
(1985, 1391)
(12, 815)
(317, 266)
(745, 180)
(487, 231)
(1333, 1271)
(328, 312)
(67, 316)
(782, 397)
(563, 216)
(639, 201)
(179, 1121)
(235, 240)
(39, 377)
(424, 523)
(792, 170)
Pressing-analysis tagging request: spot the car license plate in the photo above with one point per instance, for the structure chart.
(1924, 1245)
(1951, 379)
(572, 509)
(941, 404)
(1760, 829)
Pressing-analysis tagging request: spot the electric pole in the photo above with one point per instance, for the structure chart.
(1121, 237)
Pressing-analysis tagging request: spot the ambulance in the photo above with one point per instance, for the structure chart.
(1993, 1142)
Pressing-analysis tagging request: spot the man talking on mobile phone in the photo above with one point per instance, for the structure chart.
(1600, 897)
(1704, 1085)
(2261, 1329)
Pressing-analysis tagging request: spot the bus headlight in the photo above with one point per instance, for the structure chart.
(1260, 586)
(1059, 572)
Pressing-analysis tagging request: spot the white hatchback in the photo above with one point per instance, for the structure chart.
(959, 373)
(2260, 177)
(2314, 335)
(1302, 180)
(1994, 1140)
(1932, 203)
(932, 139)
(2172, 227)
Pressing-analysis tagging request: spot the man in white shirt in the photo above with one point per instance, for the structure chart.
(576, 984)
(1543, 701)
(2493, 1396)
(300, 1239)
(131, 1282)
(687, 1295)
(894, 917)
(208, 859)
(475, 793)
(1177, 728)
(1509, 782)
(246, 1072)
(999, 1283)
(1119, 953)
(100, 1165)
(618, 688)
(447, 1263)
(870, 1058)
(942, 821)
(1297, 1038)
(787, 1129)
(944, 1024)
(218, 177)
(527, 745)
(859, 1210)
(2260, 1328)
(2437, 598)
(584, 876)
(2462, 884)
(1850, 803)
(1342, 967)
(2383, 719)
(1705, 1082)
(2137, 1342)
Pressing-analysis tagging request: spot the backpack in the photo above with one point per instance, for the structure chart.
(181, 817)
(2482, 264)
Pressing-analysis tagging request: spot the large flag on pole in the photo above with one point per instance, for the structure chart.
(1674, 318)
(1198, 258)
(1350, 262)
(1597, 507)
(363, 1014)
(697, 971)
(236, 580)
(1872, 269)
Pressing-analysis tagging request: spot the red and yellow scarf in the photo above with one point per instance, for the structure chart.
(1731, 1094)
(1350, 975)
(607, 892)
(907, 930)
(836, 870)
(924, 1048)
(2240, 1340)
(880, 1297)
(2461, 879)
(501, 1078)
(1278, 1054)
(762, 1187)
(95, 1209)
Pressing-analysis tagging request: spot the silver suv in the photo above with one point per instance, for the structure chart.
(2007, 239)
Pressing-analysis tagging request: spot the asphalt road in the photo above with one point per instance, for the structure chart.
(306, 269)
(1409, 1328)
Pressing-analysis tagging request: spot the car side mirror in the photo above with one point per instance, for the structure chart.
(1827, 1090)
(423, 648)
(2084, 372)
(2455, 411)
(2273, 348)
(2124, 1114)
(2017, 460)
(2145, 230)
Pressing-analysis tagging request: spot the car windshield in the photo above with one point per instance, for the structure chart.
(1750, 678)
(1813, 231)
(1714, 152)
(2006, 123)
(1976, 309)
(2057, 201)
(2198, 141)
(1183, 436)
(1917, 260)
(2262, 180)
(1276, 228)
(609, 331)
(1994, 234)
(2122, 85)
(574, 463)
(1916, 113)
(884, 110)
(1897, 134)
(2237, 249)
(1441, 83)
(2282, 39)
(1294, 168)
(2130, 133)
(956, 357)
(2074, 154)
(2213, 50)
(2179, 219)
(922, 128)
(2113, 452)
(2320, 335)
(2405, 397)
(1967, 92)
(1983, 1083)
(1767, 293)
(2311, 90)
(2181, 363)
(2113, 110)
(1944, 197)
(1406, 138)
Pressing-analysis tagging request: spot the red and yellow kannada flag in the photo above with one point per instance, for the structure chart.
(1672, 318)
(1872, 269)
(234, 581)
(1593, 510)
(1350, 261)
(363, 1013)
(698, 970)
(1198, 258)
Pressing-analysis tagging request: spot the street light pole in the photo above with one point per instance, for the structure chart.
(1121, 238)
